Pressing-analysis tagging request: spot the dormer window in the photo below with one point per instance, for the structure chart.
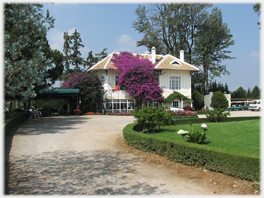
(175, 63)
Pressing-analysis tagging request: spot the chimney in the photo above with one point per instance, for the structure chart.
(182, 55)
(153, 55)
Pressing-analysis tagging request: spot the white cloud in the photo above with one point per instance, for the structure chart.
(55, 38)
(126, 43)
(254, 54)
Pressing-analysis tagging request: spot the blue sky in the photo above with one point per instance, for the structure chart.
(110, 26)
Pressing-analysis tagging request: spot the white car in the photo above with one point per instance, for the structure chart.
(255, 106)
(176, 109)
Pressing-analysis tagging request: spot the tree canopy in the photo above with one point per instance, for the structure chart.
(173, 27)
(26, 60)
(89, 85)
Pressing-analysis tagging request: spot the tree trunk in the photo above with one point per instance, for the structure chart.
(206, 79)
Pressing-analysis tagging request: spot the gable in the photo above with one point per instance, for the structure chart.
(167, 62)
(170, 62)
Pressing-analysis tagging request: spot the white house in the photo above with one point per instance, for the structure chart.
(174, 75)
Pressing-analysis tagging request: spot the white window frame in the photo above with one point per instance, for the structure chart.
(175, 101)
(116, 77)
(177, 81)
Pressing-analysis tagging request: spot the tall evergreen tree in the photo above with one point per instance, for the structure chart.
(255, 93)
(25, 58)
(76, 58)
(67, 51)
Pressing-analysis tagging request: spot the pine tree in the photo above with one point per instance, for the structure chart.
(26, 60)
(76, 58)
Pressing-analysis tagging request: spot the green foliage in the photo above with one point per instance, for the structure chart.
(198, 101)
(177, 95)
(255, 93)
(26, 48)
(195, 136)
(239, 93)
(219, 100)
(217, 115)
(226, 161)
(152, 118)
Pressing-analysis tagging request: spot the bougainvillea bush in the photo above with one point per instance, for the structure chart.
(137, 77)
(90, 87)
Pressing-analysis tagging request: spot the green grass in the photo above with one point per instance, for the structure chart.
(238, 137)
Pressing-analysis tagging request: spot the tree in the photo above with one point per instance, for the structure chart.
(76, 58)
(239, 93)
(211, 41)
(137, 77)
(255, 93)
(213, 87)
(170, 27)
(189, 27)
(91, 60)
(67, 51)
(56, 71)
(219, 100)
(26, 61)
(256, 9)
(90, 88)
(198, 101)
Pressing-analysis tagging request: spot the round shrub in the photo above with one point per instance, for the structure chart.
(198, 101)
(219, 100)
(189, 108)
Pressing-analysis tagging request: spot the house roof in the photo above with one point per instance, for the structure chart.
(163, 62)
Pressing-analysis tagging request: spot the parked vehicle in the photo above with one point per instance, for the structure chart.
(256, 105)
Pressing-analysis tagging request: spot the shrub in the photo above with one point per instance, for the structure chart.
(189, 108)
(219, 100)
(198, 101)
(217, 115)
(153, 118)
(180, 113)
(193, 135)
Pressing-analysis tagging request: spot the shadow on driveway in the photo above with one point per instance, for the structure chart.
(76, 173)
(37, 127)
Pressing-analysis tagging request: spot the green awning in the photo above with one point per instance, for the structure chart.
(59, 91)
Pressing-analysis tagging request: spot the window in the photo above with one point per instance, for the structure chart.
(175, 103)
(102, 78)
(116, 83)
(175, 82)
(116, 80)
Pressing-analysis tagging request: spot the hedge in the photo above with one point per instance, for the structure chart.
(17, 119)
(203, 120)
(215, 159)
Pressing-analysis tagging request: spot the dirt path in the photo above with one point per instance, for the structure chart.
(87, 155)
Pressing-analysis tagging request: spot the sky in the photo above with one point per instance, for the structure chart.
(109, 25)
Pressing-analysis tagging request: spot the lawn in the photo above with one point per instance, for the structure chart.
(238, 137)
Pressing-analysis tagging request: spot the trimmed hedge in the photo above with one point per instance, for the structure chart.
(17, 119)
(203, 120)
(216, 159)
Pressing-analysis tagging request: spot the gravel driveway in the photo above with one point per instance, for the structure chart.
(75, 155)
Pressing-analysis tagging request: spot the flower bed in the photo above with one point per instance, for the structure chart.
(120, 114)
(92, 113)
(183, 114)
